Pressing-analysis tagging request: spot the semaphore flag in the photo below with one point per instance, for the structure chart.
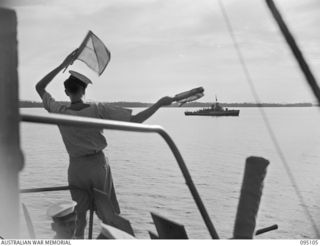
(94, 53)
(189, 96)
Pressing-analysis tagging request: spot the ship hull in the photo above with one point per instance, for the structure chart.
(213, 113)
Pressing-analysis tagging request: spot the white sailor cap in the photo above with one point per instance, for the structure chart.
(80, 76)
(61, 209)
(111, 232)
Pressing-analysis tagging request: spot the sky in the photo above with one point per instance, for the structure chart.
(164, 47)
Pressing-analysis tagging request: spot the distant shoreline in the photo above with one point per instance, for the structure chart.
(32, 104)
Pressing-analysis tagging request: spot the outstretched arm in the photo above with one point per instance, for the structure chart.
(43, 83)
(146, 114)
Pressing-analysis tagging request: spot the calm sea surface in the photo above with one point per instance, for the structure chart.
(147, 178)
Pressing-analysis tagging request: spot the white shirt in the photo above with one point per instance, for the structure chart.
(80, 141)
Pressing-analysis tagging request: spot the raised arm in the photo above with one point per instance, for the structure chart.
(146, 114)
(43, 83)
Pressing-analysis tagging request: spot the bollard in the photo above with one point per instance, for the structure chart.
(251, 191)
(11, 160)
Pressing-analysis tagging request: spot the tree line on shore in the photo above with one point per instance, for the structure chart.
(35, 104)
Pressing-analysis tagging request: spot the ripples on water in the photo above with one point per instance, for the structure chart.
(147, 177)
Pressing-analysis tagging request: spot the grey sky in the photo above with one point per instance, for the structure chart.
(163, 47)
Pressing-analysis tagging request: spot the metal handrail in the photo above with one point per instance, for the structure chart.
(77, 121)
(36, 190)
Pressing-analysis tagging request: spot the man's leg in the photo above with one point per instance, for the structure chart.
(103, 182)
(109, 188)
(79, 185)
(83, 200)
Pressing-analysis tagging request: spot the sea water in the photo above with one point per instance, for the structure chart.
(148, 179)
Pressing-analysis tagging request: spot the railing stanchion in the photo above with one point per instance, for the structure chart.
(91, 219)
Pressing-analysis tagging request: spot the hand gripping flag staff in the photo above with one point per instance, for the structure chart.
(93, 53)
